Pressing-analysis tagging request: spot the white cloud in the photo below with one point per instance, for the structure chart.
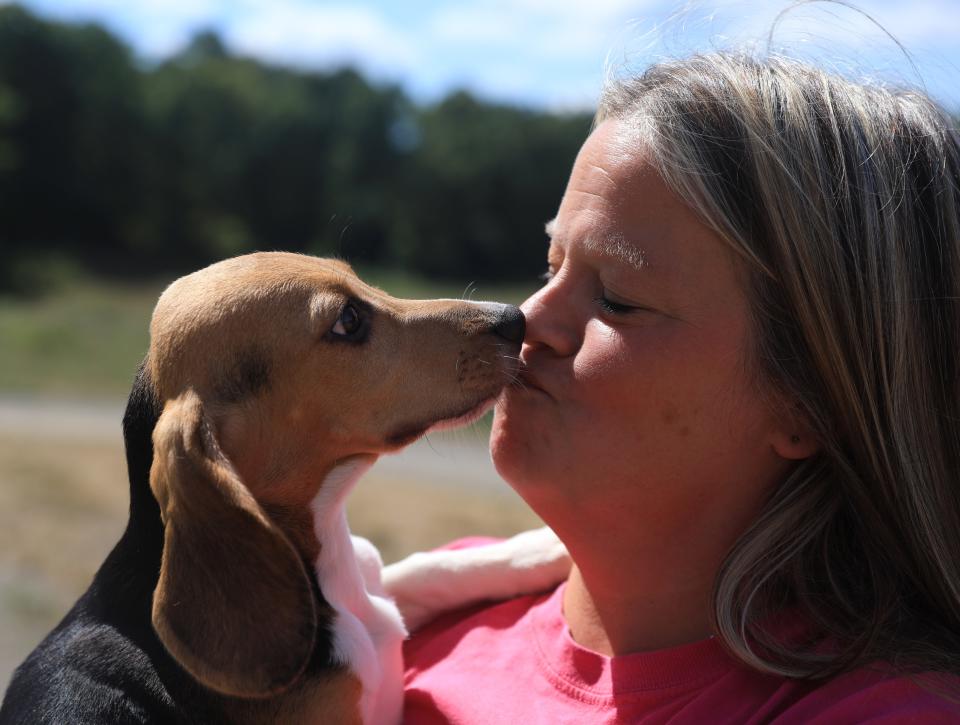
(921, 21)
(303, 33)
(549, 50)
(561, 26)
(536, 51)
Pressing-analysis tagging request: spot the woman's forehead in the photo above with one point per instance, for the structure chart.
(612, 244)
(619, 207)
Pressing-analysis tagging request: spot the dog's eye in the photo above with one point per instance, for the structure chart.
(348, 323)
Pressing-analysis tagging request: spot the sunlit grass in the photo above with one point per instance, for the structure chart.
(84, 339)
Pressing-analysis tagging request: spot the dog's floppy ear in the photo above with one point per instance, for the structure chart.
(234, 604)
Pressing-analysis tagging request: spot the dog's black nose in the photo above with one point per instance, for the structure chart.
(511, 324)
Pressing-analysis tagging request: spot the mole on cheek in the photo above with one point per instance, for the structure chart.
(668, 415)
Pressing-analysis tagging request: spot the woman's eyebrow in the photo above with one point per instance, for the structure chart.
(615, 246)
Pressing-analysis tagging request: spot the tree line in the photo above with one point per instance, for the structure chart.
(124, 168)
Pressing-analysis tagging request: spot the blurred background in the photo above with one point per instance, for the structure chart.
(426, 143)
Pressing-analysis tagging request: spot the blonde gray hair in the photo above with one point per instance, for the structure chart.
(841, 200)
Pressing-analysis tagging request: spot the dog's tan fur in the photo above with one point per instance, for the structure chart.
(261, 403)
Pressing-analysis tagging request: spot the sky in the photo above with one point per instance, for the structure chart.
(549, 54)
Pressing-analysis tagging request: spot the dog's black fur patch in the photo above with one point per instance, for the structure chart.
(104, 663)
(249, 377)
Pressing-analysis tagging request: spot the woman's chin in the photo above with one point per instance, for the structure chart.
(503, 446)
(498, 438)
(510, 450)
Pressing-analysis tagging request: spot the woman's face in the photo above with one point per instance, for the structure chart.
(636, 394)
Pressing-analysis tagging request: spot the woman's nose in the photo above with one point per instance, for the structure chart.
(551, 319)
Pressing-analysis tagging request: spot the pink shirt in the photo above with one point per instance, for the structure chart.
(515, 662)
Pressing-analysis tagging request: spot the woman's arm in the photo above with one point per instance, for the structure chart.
(426, 584)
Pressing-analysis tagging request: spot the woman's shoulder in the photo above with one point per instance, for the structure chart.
(877, 694)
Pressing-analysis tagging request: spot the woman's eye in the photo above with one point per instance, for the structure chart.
(615, 308)
(348, 322)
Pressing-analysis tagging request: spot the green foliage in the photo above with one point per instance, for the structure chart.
(492, 176)
(129, 169)
(71, 126)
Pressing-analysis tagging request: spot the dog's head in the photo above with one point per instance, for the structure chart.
(272, 370)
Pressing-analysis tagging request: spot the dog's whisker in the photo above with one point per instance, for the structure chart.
(514, 379)
(518, 383)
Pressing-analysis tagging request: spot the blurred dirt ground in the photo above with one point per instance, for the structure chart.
(63, 504)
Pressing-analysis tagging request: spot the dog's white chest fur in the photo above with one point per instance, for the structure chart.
(368, 630)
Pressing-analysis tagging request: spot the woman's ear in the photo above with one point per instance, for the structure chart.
(234, 604)
(795, 446)
(794, 439)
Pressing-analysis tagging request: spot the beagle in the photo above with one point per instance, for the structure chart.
(236, 593)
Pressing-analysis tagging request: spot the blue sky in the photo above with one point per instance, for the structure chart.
(545, 53)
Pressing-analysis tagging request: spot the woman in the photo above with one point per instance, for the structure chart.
(739, 410)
